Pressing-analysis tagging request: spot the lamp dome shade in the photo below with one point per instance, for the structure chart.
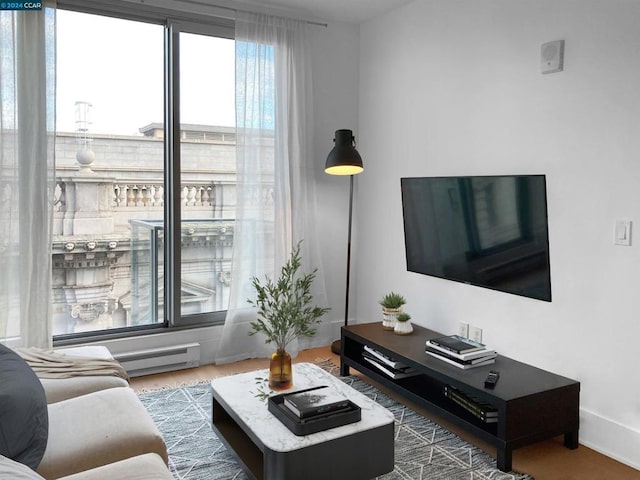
(344, 159)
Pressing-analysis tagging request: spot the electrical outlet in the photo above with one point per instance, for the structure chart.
(463, 329)
(475, 333)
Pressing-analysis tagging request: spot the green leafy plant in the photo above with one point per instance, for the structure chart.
(264, 392)
(285, 307)
(392, 300)
(403, 317)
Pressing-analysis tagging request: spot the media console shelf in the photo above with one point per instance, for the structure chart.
(532, 404)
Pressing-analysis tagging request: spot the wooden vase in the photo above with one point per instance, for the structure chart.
(280, 371)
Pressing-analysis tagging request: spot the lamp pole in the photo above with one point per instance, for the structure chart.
(344, 159)
(336, 346)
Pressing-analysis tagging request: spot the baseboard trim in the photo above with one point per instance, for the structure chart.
(610, 438)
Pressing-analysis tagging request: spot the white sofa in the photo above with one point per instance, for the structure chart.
(97, 429)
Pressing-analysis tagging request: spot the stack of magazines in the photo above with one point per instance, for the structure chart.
(479, 408)
(387, 365)
(460, 352)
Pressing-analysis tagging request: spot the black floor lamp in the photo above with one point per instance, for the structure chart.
(344, 159)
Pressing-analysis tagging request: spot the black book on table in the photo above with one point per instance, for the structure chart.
(315, 401)
(458, 344)
(472, 361)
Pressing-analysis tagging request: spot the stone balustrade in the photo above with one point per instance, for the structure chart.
(147, 194)
(152, 195)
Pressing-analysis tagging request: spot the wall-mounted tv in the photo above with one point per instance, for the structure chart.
(488, 231)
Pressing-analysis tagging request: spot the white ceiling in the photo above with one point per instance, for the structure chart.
(350, 11)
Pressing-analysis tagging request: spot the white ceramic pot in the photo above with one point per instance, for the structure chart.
(403, 328)
(389, 316)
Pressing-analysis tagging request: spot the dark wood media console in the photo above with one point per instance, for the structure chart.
(533, 404)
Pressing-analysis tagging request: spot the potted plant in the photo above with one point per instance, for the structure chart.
(403, 324)
(285, 312)
(391, 306)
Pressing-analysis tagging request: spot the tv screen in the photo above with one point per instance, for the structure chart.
(488, 231)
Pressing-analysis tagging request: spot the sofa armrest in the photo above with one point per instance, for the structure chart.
(149, 466)
(97, 429)
(58, 389)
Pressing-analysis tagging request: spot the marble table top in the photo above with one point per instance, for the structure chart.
(241, 393)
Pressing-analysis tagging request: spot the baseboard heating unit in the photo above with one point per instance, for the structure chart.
(158, 360)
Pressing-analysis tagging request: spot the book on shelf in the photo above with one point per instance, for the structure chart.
(462, 356)
(458, 344)
(315, 401)
(464, 364)
(471, 361)
(385, 358)
(480, 409)
(395, 373)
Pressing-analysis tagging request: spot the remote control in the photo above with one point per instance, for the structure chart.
(492, 379)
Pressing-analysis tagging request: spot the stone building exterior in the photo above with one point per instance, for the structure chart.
(108, 227)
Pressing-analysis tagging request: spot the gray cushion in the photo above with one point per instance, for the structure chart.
(24, 421)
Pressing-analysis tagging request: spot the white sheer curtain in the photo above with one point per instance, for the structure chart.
(275, 187)
(27, 136)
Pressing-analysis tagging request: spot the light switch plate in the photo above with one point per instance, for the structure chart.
(463, 329)
(475, 333)
(622, 233)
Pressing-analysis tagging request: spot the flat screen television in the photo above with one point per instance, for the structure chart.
(488, 231)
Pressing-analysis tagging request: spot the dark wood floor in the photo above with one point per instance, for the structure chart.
(548, 460)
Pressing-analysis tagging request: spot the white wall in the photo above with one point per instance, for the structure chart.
(454, 88)
(335, 76)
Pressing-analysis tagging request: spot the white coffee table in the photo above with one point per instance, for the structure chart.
(267, 449)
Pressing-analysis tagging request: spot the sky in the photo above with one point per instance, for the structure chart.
(116, 65)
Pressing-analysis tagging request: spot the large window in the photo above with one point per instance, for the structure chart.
(207, 151)
(145, 173)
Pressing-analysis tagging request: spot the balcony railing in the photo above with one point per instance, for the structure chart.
(147, 194)
(206, 268)
(152, 195)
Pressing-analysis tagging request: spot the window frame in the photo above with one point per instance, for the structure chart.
(213, 23)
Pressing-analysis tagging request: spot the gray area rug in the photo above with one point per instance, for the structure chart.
(423, 449)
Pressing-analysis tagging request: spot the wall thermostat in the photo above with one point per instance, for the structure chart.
(552, 56)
